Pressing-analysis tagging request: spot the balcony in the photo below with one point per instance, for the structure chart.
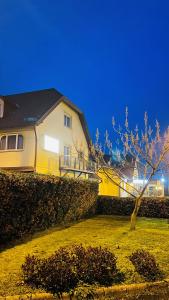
(74, 164)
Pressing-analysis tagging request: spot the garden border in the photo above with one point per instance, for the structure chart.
(118, 290)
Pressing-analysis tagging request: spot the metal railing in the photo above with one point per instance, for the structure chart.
(75, 163)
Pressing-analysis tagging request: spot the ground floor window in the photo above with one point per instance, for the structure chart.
(11, 142)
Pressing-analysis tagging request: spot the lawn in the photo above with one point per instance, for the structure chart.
(106, 231)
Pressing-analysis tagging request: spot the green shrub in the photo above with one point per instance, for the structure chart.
(32, 270)
(145, 264)
(31, 202)
(150, 207)
(68, 267)
(97, 265)
(56, 274)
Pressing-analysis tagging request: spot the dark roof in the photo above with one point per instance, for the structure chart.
(29, 109)
(21, 110)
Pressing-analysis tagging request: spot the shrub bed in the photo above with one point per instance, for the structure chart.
(150, 207)
(68, 267)
(31, 202)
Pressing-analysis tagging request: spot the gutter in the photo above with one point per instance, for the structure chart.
(36, 142)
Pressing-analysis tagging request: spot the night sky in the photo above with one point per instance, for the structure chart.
(103, 55)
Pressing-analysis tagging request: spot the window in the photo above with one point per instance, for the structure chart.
(3, 143)
(20, 142)
(67, 121)
(66, 156)
(11, 142)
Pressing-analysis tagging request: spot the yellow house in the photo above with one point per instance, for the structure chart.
(109, 182)
(114, 178)
(42, 132)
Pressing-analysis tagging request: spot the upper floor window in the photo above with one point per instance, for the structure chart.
(11, 142)
(67, 121)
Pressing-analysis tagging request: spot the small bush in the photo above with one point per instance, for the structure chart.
(32, 270)
(145, 264)
(58, 272)
(55, 274)
(67, 267)
(97, 265)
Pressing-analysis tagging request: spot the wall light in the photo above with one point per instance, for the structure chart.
(51, 144)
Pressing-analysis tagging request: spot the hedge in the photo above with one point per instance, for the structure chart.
(31, 202)
(150, 207)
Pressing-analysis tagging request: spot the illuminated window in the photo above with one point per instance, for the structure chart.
(67, 121)
(51, 144)
(11, 142)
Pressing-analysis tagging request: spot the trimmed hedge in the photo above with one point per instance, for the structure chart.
(150, 207)
(31, 202)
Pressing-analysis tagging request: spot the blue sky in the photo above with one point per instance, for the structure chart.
(103, 55)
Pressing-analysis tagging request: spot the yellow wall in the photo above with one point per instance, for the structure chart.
(53, 126)
(107, 187)
(19, 158)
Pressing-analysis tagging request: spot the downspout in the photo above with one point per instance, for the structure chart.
(35, 159)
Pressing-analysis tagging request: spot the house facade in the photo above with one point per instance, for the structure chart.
(43, 132)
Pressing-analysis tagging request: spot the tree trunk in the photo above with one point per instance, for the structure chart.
(134, 214)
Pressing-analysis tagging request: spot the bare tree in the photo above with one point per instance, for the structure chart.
(147, 149)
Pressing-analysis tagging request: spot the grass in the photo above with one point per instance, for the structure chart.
(106, 231)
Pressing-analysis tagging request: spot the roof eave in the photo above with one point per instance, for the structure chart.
(17, 128)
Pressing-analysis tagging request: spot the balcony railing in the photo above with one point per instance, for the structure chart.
(76, 164)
